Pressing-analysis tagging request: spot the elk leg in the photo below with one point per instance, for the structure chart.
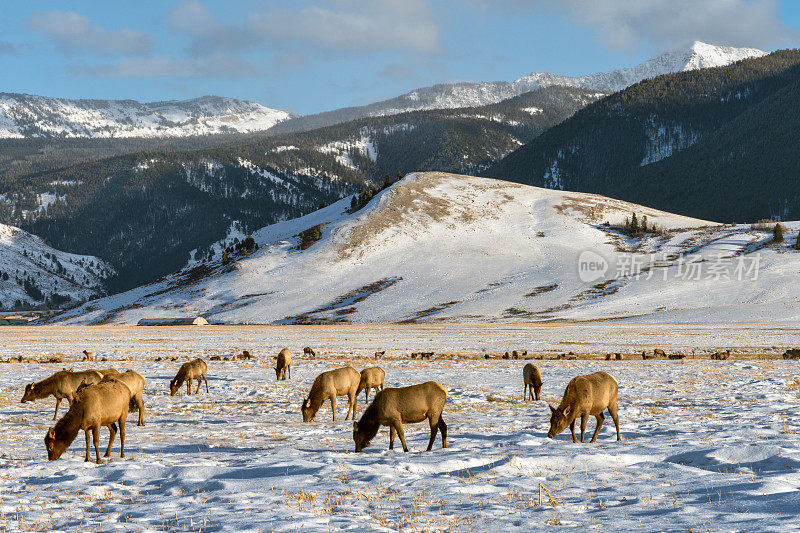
(122, 437)
(113, 429)
(612, 409)
(583, 425)
(199, 382)
(600, 419)
(88, 446)
(434, 430)
(366, 394)
(333, 406)
(392, 434)
(353, 404)
(206, 380)
(58, 402)
(189, 387)
(140, 405)
(96, 439)
(443, 431)
(402, 435)
(289, 371)
(572, 429)
(525, 393)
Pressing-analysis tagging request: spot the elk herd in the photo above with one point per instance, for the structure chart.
(100, 398)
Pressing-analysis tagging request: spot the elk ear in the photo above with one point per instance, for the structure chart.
(567, 410)
(29, 386)
(51, 433)
(552, 409)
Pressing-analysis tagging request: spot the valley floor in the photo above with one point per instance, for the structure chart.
(709, 445)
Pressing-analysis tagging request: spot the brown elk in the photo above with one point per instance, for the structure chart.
(329, 385)
(284, 365)
(371, 378)
(63, 385)
(584, 396)
(533, 382)
(395, 406)
(189, 371)
(134, 381)
(102, 404)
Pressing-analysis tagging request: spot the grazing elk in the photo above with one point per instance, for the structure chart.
(533, 382)
(63, 385)
(395, 406)
(102, 404)
(189, 371)
(379, 355)
(371, 378)
(134, 381)
(87, 355)
(584, 396)
(329, 385)
(308, 352)
(284, 365)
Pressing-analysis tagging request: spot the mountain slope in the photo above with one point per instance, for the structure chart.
(32, 273)
(23, 115)
(718, 143)
(471, 94)
(443, 247)
(149, 212)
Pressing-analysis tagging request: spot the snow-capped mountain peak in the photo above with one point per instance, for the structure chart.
(24, 115)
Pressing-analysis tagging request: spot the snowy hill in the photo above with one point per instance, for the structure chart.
(23, 115)
(443, 247)
(32, 272)
(471, 94)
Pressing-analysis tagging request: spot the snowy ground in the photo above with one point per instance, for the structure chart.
(708, 445)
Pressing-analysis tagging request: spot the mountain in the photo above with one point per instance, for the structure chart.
(148, 213)
(718, 143)
(32, 273)
(441, 247)
(471, 94)
(23, 115)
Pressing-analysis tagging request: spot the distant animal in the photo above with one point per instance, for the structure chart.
(506, 356)
(189, 371)
(584, 396)
(721, 356)
(379, 355)
(426, 355)
(244, 356)
(63, 385)
(88, 356)
(613, 357)
(371, 378)
(101, 404)
(329, 385)
(659, 352)
(514, 354)
(677, 356)
(533, 382)
(308, 352)
(792, 353)
(647, 356)
(284, 365)
(394, 407)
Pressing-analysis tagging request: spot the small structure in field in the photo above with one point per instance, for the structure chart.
(180, 321)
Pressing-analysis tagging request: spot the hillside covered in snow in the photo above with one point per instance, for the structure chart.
(698, 55)
(32, 273)
(442, 247)
(24, 115)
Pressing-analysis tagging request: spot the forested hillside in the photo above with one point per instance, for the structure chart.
(717, 143)
(149, 212)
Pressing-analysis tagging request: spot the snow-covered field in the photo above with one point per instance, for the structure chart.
(707, 445)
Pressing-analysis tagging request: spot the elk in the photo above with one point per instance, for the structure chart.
(308, 352)
(101, 404)
(584, 396)
(63, 385)
(371, 378)
(284, 365)
(329, 385)
(134, 381)
(189, 371)
(395, 406)
(533, 382)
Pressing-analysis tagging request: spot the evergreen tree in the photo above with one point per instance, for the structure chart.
(797, 242)
(634, 224)
(777, 233)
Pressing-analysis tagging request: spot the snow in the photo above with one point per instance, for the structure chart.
(342, 150)
(714, 453)
(25, 256)
(23, 115)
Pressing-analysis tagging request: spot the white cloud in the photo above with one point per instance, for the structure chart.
(629, 24)
(208, 34)
(73, 33)
(171, 67)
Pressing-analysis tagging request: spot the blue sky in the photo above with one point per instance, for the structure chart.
(314, 56)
